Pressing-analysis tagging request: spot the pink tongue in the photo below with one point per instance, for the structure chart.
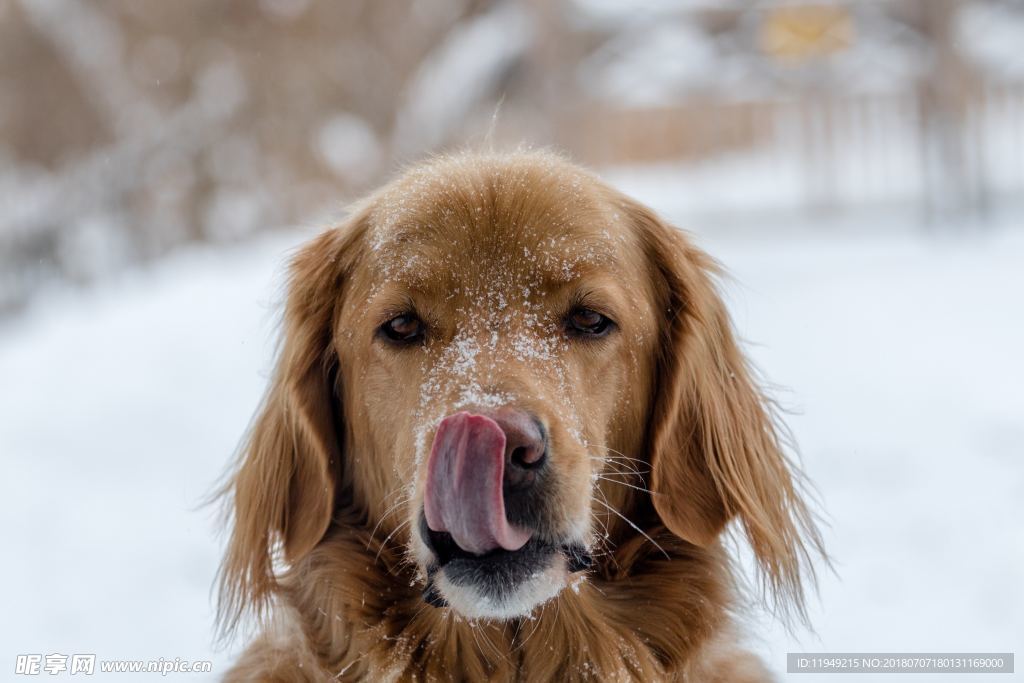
(463, 493)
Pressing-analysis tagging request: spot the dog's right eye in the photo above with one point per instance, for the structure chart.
(405, 329)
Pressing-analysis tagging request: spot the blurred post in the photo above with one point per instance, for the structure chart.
(953, 187)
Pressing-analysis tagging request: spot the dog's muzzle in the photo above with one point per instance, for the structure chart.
(480, 510)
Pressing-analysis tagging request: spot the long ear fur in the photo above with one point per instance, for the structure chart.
(714, 440)
(283, 493)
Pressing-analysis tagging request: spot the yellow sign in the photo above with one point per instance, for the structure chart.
(804, 32)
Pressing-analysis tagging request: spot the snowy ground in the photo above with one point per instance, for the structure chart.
(900, 355)
(902, 362)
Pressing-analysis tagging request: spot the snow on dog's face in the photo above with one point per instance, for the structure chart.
(494, 342)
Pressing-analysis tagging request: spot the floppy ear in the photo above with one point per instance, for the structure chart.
(714, 444)
(283, 493)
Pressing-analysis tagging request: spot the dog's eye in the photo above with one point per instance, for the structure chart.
(584, 322)
(404, 329)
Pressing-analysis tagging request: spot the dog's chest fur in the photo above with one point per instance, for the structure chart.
(354, 611)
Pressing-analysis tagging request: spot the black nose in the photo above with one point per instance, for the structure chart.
(525, 480)
(525, 448)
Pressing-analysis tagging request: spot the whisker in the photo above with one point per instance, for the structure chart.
(623, 456)
(621, 461)
(604, 525)
(642, 532)
(401, 501)
(627, 475)
(478, 634)
(604, 536)
(384, 543)
(528, 635)
(627, 469)
(617, 457)
(630, 467)
(606, 540)
(626, 484)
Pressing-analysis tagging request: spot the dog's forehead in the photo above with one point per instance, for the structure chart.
(527, 225)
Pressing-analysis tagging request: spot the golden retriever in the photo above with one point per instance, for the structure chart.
(508, 428)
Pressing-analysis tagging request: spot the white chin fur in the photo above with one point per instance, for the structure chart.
(470, 603)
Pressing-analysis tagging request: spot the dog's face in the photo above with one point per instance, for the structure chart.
(497, 363)
(496, 344)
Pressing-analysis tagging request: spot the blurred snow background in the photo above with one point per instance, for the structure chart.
(857, 166)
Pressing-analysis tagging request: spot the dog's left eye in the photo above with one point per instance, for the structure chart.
(585, 322)
(404, 329)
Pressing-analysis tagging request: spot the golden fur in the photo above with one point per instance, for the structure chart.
(330, 478)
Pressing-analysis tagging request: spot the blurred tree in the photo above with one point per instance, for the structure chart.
(130, 126)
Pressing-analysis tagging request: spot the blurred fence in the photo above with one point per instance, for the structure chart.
(828, 153)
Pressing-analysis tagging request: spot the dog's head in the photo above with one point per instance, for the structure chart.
(497, 360)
